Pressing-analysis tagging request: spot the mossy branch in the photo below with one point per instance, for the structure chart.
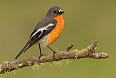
(89, 52)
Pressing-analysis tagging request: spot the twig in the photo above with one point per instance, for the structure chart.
(89, 52)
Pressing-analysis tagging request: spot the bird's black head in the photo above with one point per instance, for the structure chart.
(54, 11)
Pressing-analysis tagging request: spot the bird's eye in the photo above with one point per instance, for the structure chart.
(54, 11)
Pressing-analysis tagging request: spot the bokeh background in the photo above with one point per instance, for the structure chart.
(85, 22)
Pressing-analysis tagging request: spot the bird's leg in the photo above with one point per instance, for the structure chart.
(53, 51)
(40, 51)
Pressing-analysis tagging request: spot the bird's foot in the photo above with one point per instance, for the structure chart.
(54, 54)
(41, 55)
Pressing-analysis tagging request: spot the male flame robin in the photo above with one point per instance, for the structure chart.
(47, 30)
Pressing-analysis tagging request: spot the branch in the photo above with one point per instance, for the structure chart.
(89, 52)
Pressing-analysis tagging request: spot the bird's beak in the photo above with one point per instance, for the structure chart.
(61, 12)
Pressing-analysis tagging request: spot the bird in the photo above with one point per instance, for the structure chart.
(47, 30)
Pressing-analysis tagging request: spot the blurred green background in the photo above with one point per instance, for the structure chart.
(85, 22)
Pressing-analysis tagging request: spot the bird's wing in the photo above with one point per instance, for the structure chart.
(40, 31)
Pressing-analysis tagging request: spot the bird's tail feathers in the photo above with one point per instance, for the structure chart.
(24, 49)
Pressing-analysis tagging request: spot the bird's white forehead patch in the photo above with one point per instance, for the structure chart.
(60, 10)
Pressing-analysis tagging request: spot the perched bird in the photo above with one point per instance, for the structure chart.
(47, 30)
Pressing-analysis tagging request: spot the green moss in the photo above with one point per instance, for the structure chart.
(37, 66)
(104, 53)
(6, 63)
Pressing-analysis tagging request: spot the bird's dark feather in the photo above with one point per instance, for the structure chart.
(37, 36)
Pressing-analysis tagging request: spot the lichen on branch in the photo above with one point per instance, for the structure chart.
(89, 52)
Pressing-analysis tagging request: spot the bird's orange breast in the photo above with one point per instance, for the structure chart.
(53, 36)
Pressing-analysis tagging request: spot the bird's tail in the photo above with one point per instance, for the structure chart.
(24, 49)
